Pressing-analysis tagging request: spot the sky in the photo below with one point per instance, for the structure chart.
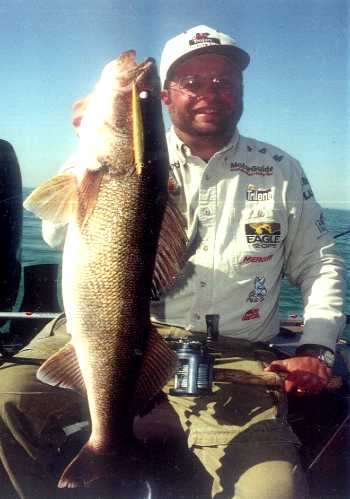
(297, 93)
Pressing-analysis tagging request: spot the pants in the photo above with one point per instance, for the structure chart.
(233, 443)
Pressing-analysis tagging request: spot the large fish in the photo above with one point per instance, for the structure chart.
(115, 204)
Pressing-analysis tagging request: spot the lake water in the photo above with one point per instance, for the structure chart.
(35, 250)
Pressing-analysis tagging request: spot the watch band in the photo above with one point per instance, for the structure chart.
(320, 352)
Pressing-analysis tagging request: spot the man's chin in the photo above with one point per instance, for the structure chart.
(213, 131)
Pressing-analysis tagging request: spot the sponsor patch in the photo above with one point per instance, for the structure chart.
(253, 313)
(263, 234)
(278, 157)
(259, 292)
(256, 194)
(307, 191)
(174, 165)
(321, 224)
(203, 39)
(261, 170)
(256, 259)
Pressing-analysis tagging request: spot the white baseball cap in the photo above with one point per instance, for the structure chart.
(198, 40)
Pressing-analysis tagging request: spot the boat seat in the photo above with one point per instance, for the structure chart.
(11, 219)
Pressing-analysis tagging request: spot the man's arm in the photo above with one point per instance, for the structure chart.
(312, 263)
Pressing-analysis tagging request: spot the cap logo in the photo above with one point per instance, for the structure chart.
(204, 38)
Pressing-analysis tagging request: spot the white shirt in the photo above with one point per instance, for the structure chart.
(251, 217)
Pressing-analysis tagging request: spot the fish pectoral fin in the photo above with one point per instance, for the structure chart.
(158, 365)
(87, 194)
(62, 370)
(55, 200)
(171, 252)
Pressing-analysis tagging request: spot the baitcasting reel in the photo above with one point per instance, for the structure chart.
(194, 375)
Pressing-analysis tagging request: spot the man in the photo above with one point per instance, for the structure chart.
(251, 216)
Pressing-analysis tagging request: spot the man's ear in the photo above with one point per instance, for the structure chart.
(164, 95)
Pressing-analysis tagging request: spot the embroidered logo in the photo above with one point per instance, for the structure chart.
(203, 39)
(260, 170)
(256, 259)
(259, 292)
(252, 313)
(256, 194)
(321, 224)
(307, 191)
(263, 234)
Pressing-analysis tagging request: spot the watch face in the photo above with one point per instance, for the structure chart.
(328, 357)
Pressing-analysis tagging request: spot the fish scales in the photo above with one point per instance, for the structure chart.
(112, 275)
(114, 205)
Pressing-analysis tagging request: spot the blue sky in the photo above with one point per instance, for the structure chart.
(297, 93)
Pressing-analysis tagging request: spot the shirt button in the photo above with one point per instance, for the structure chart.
(203, 284)
(197, 316)
(205, 247)
(207, 211)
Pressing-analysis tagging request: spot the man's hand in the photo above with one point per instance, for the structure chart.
(306, 375)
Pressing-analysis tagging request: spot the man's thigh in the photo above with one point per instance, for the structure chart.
(254, 470)
(33, 415)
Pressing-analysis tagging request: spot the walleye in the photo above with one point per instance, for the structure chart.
(115, 203)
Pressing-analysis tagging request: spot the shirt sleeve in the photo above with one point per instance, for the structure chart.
(313, 263)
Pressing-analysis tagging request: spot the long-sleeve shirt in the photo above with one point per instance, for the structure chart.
(251, 218)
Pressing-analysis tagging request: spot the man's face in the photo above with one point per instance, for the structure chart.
(204, 96)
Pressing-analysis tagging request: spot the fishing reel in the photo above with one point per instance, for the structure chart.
(194, 374)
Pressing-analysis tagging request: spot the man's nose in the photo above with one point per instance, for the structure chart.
(208, 91)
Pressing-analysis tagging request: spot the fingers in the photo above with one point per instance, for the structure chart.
(305, 375)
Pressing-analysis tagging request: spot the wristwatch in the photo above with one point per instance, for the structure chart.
(320, 352)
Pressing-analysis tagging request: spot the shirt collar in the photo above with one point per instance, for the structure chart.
(185, 151)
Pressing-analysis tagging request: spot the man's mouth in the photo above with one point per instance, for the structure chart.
(207, 110)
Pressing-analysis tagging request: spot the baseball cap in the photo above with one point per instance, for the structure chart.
(200, 39)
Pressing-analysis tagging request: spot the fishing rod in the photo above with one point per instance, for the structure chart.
(342, 233)
(291, 321)
(29, 315)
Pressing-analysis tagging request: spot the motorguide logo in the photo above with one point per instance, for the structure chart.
(204, 40)
(263, 234)
(261, 170)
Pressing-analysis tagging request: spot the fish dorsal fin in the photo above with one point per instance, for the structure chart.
(171, 253)
(62, 370)
(55, 200)
(87, 194)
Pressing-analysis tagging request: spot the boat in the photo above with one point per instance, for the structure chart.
(321, 422)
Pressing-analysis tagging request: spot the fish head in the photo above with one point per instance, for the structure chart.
(117, 122)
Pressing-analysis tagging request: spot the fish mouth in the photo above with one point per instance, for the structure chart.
(148, 82)
(144, 75)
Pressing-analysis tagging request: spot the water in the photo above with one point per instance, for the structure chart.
(35, 250)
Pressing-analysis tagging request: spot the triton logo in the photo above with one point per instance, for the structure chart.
(256, 194)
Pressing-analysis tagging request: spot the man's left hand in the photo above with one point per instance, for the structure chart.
(305, 375)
